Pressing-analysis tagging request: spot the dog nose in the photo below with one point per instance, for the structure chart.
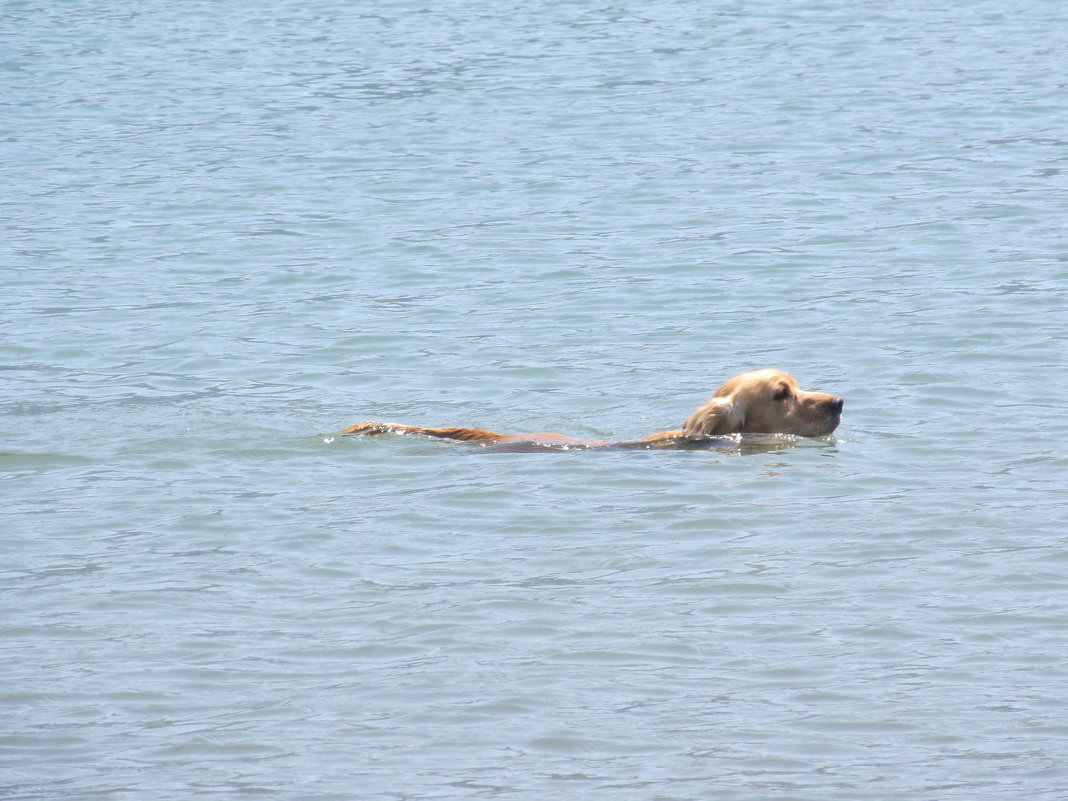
(835, 404)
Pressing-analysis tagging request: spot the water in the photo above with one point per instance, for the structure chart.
(231, 230)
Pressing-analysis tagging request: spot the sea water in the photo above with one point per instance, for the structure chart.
(230, 230)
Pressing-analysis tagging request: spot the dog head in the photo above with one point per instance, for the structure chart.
(765, 402)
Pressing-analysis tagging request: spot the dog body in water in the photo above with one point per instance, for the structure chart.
(758, 402)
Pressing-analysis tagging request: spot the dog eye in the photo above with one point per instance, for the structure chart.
(782, 394)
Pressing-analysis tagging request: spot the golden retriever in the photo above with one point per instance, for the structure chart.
(759, 402)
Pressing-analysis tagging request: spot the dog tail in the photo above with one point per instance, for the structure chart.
(372, 428)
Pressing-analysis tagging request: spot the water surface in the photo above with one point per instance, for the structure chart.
(230, 231)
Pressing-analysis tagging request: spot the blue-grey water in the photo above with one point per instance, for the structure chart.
(229, 230)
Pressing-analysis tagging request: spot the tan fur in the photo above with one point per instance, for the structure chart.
(765, 402)
(759, 402)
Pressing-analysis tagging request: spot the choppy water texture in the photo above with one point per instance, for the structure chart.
(231, 229)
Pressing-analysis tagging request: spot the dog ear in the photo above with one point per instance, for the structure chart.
(716, 417)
